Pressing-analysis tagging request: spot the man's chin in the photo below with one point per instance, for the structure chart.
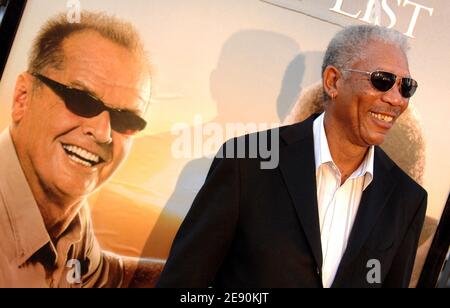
(376, 139)
(76, 190)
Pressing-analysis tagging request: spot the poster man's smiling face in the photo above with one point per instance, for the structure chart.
(68, 154)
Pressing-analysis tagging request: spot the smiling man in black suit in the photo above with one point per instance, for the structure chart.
(337, 211)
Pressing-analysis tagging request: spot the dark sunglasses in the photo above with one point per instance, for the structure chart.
(384, 81)
(86, 105)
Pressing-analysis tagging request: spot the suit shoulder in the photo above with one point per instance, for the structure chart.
(407, 183)
(281, 135)
(268, 135)
(251, 145)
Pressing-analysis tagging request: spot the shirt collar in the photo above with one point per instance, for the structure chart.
(323, 156)
(322, 153)
(25, 217)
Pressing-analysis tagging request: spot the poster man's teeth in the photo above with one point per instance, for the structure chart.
(82, 153)
(82, 162)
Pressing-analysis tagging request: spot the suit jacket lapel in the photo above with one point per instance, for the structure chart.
(373, 200)
(297, 165)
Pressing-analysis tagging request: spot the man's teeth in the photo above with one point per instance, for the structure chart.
(89, 157)
(82, 162)
(382, 117)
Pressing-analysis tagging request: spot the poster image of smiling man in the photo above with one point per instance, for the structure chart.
(74, 113)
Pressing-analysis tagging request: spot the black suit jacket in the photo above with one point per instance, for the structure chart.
(250, 227)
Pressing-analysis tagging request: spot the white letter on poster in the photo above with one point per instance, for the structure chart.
(375, 5)
(338, 9)
(73, 11)
(390, 13)
(415, 16)
(372, 5)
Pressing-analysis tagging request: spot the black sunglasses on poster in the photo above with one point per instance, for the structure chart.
(86, 105)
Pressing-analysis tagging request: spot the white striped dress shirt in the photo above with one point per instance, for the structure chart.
(338, 204)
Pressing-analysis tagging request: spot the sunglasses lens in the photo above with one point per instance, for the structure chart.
(409, 87)
(383, 81)
(126, 122)
(82, 104)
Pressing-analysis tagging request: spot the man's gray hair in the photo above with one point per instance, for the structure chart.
(47, 47)
(348, 45)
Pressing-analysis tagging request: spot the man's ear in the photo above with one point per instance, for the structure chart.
(22, 96)
(331, 76)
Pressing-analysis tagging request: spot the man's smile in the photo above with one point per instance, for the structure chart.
(82, 156)
(382, 117)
